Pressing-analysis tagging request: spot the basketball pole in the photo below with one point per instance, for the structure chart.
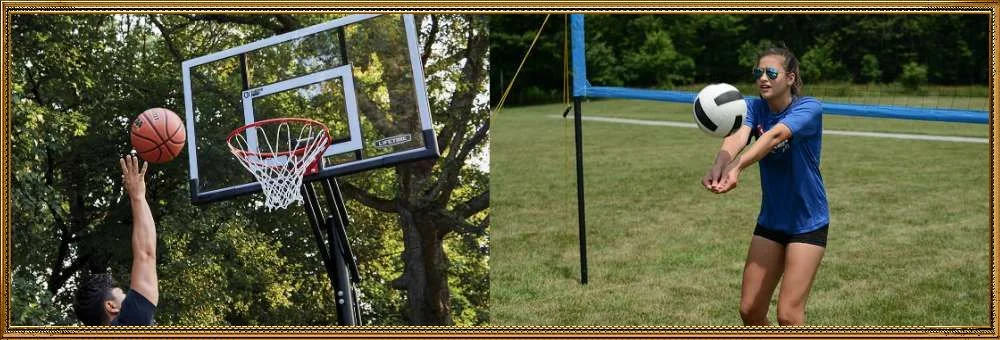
(345, 262)
(578, 131)
(334, 249)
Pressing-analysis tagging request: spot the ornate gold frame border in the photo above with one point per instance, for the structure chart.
(989, 7)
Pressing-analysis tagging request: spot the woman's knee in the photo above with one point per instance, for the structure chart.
(751, 311)
(791, 315)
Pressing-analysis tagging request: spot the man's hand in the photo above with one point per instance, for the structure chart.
(133, 177)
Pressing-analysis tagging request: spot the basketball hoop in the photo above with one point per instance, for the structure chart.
(279, 159)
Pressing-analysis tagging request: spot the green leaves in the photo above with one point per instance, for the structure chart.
(914, 75)
(870, 70)
(663, 65)
(820, 63)
(32, 304)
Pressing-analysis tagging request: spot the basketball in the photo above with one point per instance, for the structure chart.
(158, 135)
(719, 109)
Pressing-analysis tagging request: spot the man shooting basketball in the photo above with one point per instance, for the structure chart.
(99, 300)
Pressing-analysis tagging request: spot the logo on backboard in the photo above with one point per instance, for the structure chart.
(252, 93)
(393, 141)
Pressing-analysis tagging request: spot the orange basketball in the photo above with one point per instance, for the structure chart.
(158, 135)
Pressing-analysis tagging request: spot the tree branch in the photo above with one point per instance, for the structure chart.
(367, 199)
(78, 210)
(445, 136)
(485, 223)
(167, 38)
(472, 75)
(375, 115)
(61, 252)
(59, 219)
(35, 88)
(59, 278)
(471, 143)
(289, 22)
(458, 132)
(451, 223)
(50, 166)
(255, 20)
(473, 206)
(405, 184)
(454, 163)
(167, 34)
(429, 41)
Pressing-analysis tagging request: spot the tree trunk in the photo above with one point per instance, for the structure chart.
(425, 279)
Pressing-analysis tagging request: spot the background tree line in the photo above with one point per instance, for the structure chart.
(662, 51)
(419, 230)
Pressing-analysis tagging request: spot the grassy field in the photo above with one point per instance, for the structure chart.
(908, 244)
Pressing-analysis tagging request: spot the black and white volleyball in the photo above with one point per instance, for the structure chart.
(719, 109)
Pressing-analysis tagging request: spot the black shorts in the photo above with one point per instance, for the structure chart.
(816, 237)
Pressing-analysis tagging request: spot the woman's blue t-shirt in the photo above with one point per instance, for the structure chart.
(794, 198)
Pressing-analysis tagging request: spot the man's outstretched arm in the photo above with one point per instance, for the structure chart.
(143, 277)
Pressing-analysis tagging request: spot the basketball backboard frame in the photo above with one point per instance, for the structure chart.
(344, 73)
(428, 150)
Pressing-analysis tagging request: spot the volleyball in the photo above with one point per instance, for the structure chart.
(719, 109)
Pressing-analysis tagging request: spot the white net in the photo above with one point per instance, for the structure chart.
(279, 159)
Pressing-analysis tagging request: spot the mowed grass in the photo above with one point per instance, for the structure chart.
(908, 245)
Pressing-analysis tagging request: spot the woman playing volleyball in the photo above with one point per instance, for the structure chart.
(790, 237)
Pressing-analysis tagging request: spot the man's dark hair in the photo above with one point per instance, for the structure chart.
(90, 297)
